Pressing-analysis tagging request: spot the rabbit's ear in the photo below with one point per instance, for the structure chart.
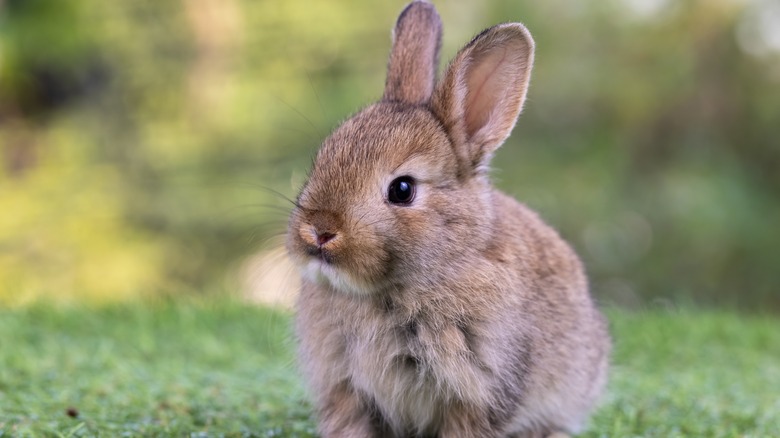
(482, 92)
(411, 70)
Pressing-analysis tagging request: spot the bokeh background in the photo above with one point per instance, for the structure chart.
(146, 147)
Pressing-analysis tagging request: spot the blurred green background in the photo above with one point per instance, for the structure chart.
(142, 143)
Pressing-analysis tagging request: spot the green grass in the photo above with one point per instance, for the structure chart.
(169, 370)
(228, 369)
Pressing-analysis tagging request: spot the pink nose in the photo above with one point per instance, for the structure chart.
(324, 237)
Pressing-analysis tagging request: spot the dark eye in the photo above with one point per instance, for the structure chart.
(401, 190)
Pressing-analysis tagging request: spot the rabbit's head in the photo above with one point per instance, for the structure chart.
(399, 191)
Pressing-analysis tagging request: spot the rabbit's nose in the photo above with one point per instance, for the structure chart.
(324, 237)
(324, 226)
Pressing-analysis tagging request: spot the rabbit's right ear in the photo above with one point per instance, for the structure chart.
(482, 92)
(414, 59)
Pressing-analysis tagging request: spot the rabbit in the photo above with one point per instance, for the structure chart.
(431, 303)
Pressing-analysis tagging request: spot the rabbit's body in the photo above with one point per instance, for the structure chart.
(456, 312)
(477, 345)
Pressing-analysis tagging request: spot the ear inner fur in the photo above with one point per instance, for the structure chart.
(481, 82)
(411, 69)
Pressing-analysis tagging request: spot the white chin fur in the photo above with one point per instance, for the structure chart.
(323, 273)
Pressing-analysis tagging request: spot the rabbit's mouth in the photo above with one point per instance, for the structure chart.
(321, 271)
(318, 252)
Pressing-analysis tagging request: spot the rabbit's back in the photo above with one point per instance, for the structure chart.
(569, 338)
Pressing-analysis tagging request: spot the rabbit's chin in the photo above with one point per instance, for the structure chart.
(325, 274)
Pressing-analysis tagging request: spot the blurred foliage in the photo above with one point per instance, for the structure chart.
(143, 143)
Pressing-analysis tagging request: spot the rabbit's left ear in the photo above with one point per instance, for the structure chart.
(411, 70)
(482, 92)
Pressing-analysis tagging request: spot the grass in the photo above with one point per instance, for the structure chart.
(228, 369)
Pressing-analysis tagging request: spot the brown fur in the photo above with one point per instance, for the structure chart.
(411, 70)
(461, 314)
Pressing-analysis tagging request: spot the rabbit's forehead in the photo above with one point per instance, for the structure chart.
(384, 138)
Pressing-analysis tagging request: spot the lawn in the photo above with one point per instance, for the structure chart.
(228, 369)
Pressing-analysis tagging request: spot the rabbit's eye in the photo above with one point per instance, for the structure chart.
(401, 190)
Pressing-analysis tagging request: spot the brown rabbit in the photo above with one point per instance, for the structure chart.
(433, 304)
